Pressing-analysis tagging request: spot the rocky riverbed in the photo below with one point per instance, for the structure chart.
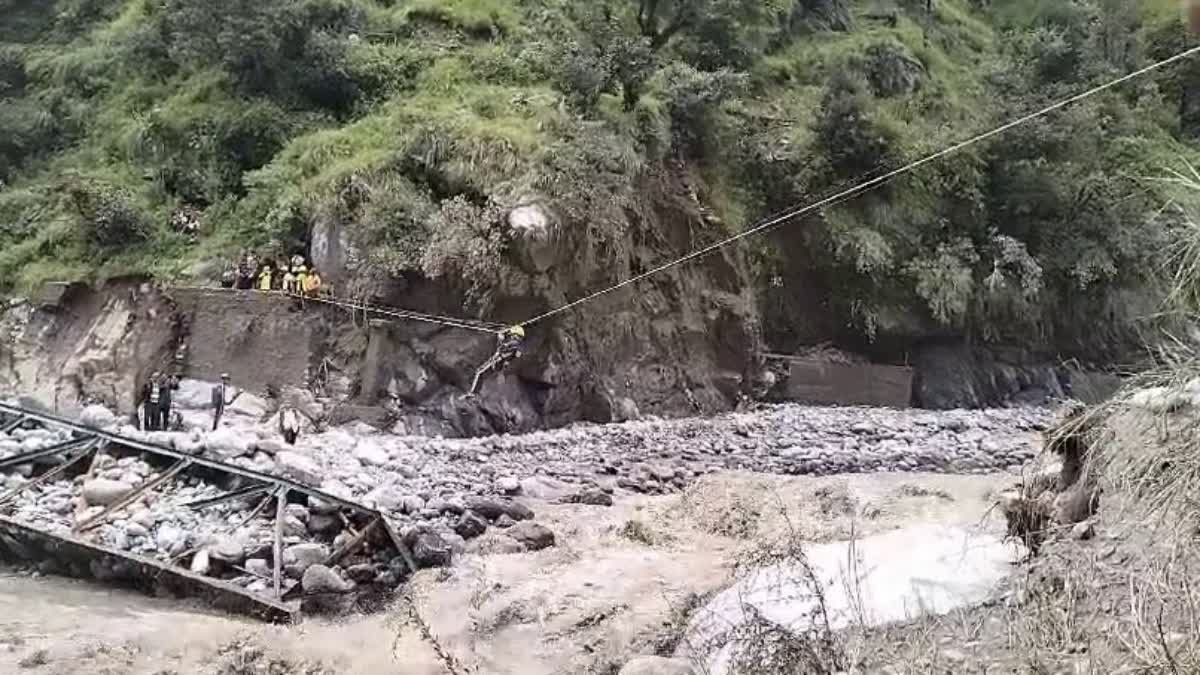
(452, 496)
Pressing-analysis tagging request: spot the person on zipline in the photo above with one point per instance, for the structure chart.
(509, 349)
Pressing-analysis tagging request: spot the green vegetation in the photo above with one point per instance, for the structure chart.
(416, 121)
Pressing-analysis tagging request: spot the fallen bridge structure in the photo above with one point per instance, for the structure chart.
(88, 503)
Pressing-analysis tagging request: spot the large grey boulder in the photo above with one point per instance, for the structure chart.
(103, 492)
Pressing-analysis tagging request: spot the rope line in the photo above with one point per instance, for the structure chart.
(864, 186)
(453, 322)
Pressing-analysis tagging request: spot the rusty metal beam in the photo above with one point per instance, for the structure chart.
(354, 543)
(166, 452)
(88, 449)
(229, 496)
(12, 426)
(74, 557)
(34, 455)
(277, 547)
(132, 497)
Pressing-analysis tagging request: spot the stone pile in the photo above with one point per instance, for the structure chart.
(446, 496)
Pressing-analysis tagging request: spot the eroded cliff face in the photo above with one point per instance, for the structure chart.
(92, 346)
(680, 342)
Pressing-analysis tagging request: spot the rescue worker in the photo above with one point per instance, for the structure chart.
(229, 277)
(246, 269)
(167, 384)
(150, 399)
(264, 278)
(511, 344)
(300, 272)
(221, 398)
(312, 283)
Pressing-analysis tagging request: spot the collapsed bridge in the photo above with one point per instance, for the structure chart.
(91, 504)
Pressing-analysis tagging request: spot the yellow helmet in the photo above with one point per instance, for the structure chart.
(519, 331)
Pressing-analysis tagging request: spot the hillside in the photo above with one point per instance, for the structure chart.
(402, 132)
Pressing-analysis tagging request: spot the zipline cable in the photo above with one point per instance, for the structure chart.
(864, 186)
(453, 322)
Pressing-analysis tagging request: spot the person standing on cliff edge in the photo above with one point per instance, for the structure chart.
(221, 398)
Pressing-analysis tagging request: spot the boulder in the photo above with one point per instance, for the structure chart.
(321, 579)
(228, 550)
(324, 524)
(170, 538)
(299, 557)
(386, 498)
(97, 417)
(370, 454)
(533, 536)
(495, 543)
(259, 567)
(470, 526)
(200, 562)
(590, 498)
(508, 485)
(430, 550)
(544, 487)
(298, 467)
(227, 443)
(103, 491)
(492, 508)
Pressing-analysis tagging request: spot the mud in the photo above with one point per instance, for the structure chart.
(611, 589)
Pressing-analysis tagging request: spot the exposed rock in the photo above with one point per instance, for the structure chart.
(321, 579)
(508, 485)
(535, 537)
(200, 563)
(228, 550)
(590, 498)
(259, 567)
(545, 488)
(430, 550)
(227, 443)
(300, 557)
(104, 492)
(270, 446)
(324, 524)
(495, 543)
(411, 504)
(369, 453)
(470, 526)
(97, 416)
(298, 467)
(170, 538)
(1083, 531)
(505, 521)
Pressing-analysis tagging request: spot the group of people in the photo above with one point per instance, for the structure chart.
(295, 276)
(156, 401)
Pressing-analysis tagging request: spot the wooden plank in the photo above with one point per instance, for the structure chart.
(132, 496)
(354, 543)
(277, 550)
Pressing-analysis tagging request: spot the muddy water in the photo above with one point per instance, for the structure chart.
(65, 626)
